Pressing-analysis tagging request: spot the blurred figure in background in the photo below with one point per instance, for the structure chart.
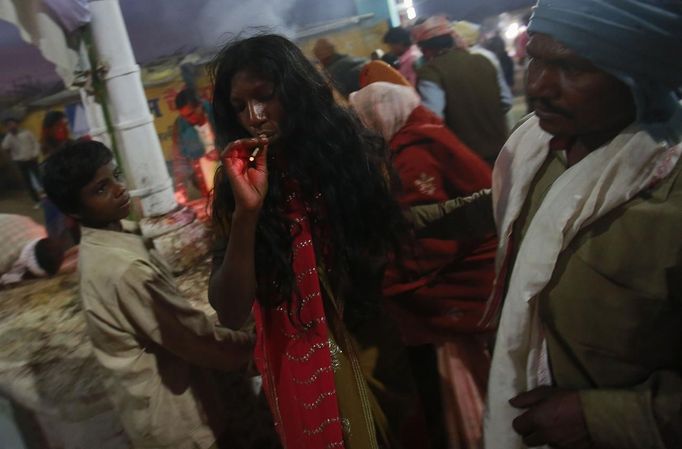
(377, 55)
(520, 43)
(56, 135)
(24, 150)
(409, 56)
(496, 45)
(470, 34)
(55, 132)
(195, 158)
(462, 88)
(440, 295)
(343, 70)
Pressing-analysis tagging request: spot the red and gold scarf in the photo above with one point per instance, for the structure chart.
(293, 351)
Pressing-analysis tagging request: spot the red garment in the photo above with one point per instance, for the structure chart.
(294, 356)
(447, 283)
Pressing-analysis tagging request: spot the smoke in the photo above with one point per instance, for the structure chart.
(163, 27)
(222, 19)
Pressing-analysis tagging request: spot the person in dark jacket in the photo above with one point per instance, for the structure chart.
(343, 70)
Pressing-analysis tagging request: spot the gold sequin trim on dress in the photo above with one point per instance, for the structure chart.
(319, 429)
(306, 327)
(316, 403)
(305, 357)
(334, 351)
(312, 379)
(305, 273)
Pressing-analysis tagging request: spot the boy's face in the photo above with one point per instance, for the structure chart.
(105, 199)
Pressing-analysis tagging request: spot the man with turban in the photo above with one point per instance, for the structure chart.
(587, 200)
(461, 88)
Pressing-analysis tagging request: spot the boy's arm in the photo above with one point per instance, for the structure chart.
(157, 310)
(455, 219)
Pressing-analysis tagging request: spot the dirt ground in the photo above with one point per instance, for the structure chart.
(19, 202)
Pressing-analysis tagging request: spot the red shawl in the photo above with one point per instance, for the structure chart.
(292, 351)
(447, 282)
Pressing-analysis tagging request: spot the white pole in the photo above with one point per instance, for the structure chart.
(95, 118)
(136, 137)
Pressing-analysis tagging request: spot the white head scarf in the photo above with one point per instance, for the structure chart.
(27, 262)
(385, 107)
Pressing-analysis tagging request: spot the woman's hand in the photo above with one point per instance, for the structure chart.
(249, 179)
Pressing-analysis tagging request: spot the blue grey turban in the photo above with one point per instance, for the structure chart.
(637, 41)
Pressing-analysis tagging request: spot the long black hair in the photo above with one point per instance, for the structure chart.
(328, 152)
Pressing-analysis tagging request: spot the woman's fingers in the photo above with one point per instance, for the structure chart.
(243, 148)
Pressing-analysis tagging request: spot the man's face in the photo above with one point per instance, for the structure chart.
(105, 199)
(572, 97)
(256, 105)
(193, 114)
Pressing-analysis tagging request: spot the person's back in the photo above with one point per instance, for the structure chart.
(473, 108)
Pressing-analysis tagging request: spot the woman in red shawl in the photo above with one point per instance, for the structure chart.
(308, 219)
(441, 297)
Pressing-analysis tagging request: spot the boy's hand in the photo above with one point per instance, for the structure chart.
(249, 179)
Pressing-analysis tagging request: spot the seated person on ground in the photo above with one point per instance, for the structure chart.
(26, 251)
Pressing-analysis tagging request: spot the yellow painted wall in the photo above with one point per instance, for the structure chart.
(34, 120)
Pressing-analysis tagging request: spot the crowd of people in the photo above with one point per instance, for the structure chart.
(400, 270)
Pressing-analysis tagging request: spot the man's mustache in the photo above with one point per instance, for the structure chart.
(549, 107)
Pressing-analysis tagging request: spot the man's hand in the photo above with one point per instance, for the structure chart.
(553, 416)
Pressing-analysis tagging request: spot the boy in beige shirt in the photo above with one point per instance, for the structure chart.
(158, 350)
